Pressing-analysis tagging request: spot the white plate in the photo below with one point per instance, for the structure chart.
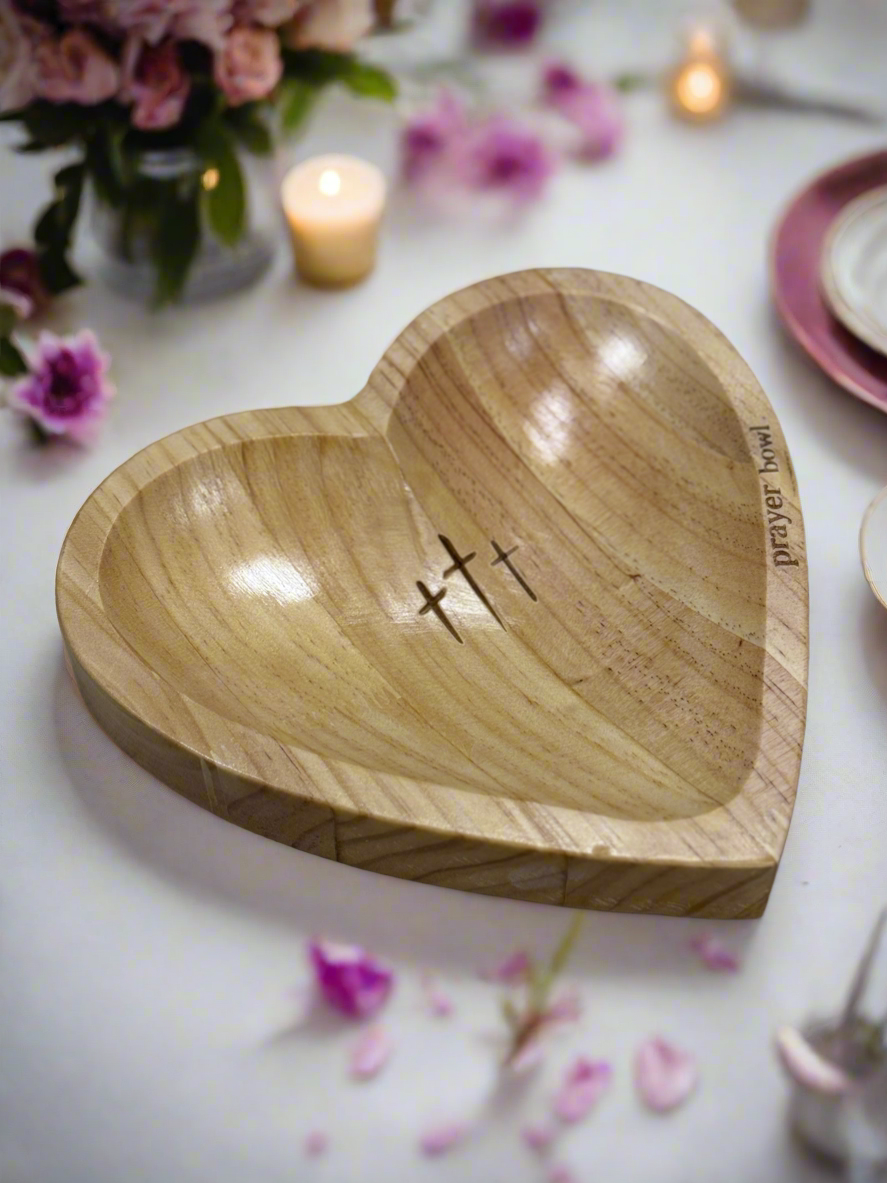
(873, 546)
(853, 268)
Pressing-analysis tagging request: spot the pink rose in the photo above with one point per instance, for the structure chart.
(75, 69)
(336, 25)
(186, 20)
(16, 73)
(249, 66)
(271, 13)
(154, 81)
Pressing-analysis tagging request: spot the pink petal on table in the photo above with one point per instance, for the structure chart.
(512, 970)
(538, 1137)
(806, 1066)
(714, 954)
(584, 1085)
(561, 1174)
(316, 1143)
(439, 1002)
(566, 1008)
(371, 1053)
(441, 1139)
(665, 1076)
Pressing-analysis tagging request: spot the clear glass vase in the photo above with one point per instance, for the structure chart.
(125, 231)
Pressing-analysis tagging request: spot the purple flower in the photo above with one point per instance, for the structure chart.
(506, 24)
(66, 392)
(502, 156)
(428, 137)
(20, 274)
(350, 979)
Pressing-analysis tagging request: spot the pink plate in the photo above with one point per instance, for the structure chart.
(796, 251)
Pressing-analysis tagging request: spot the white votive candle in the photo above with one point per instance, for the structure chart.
(334, 205)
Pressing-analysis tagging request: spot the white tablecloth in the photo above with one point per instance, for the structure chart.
(149, 949)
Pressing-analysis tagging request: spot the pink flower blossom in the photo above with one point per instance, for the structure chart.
(428, 137)
(249, 66)
(439, 1003)
(592, 107)
(20, 275)
(155, 82)
(441, 1139)
(511, 971)
(506, 24)
(350, 979)
(560, 81)
(316, 1143)
(371, 1053)
(335, 25)
(584, 1085)
(665, 1076)
(66, 392)
(74, 69)
(714, 954)
(807, 1067)
(538, 1137)
(501, 156)
(271, 13)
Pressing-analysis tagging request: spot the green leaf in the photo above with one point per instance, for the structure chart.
(369, 81)
(250, 128)
(56, 272)
(55, 124)
(296, 100)
(8, 318)
(174, 243)
(317, 67)
(226, 201)
(562, 953)
(12, 362)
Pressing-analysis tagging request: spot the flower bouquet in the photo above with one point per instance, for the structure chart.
(157, 100)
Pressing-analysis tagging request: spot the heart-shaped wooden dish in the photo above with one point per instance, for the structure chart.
(527, 617)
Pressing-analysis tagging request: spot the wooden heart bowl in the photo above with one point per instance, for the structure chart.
(528, 616)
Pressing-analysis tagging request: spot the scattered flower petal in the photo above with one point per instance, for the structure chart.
(506, 24)
(584, 1085)
(665, 1076)
(316, 1143)
(561, 1174)
(512, 971)
(350, 979)
(502, 156)
(428, 138)
(67, 391)
(441, 1139)
(806, 1066)
(439, 1002)
(371, 1053)
(714, 954)
(538, 1137)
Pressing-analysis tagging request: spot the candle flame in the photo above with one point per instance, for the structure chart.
(699, 89)
(329, 182)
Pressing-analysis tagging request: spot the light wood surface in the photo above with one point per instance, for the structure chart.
(528, 616)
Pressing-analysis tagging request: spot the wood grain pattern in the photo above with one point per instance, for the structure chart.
(528, 616)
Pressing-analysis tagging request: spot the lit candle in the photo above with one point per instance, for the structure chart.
(700, 86)
(334, 205)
